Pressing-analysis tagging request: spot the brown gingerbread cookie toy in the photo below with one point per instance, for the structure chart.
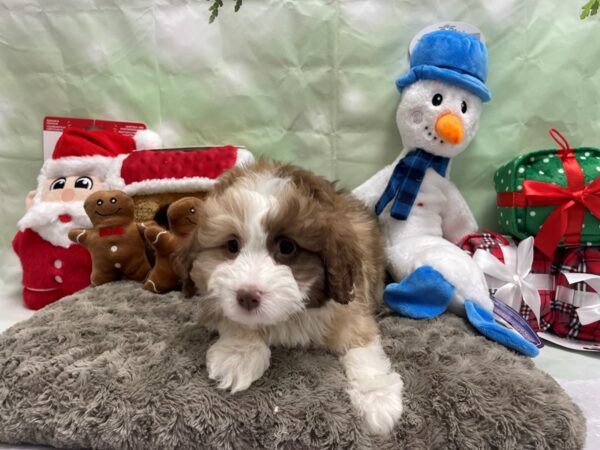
(115, 243)
(181, 216)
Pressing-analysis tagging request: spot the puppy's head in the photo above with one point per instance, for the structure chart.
(271, 241)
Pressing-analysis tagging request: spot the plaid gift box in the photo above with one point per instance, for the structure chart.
(551, 194)
(542, 274)
(570, 298)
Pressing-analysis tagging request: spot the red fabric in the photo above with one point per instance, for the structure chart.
(44, 279)
(567, 218)
(79, 142)
(491, 243)
(564, 319)
(511, 200)
(161, 164)
(488, 241)
(556, 316)
(111, 231)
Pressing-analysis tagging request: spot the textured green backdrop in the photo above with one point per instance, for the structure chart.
(310, 81)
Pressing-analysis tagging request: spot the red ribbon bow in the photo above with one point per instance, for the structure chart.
(567, 218)
(571, 202)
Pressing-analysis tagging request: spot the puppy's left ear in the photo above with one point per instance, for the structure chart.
(343, 262)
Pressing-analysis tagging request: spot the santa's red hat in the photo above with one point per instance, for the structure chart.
(176, 170)
(83, 152)
(118, 161)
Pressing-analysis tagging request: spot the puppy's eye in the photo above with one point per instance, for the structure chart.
(437, 100)
(233, 246)
(193, 210)
(286, 247)
(463, 107)
(59, 183)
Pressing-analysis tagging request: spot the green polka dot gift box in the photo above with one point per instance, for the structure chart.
(553, 195)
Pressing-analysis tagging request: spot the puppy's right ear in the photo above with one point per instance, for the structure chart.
(181, 261)
(343, 261)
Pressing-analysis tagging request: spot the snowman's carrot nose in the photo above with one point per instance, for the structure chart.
(450, 128)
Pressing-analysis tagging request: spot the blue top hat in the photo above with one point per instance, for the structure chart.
(452, 56)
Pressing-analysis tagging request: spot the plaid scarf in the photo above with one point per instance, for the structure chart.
(406, 180)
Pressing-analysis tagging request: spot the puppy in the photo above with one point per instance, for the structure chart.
(282, 258)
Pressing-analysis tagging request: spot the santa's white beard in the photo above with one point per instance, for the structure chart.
(42, 218)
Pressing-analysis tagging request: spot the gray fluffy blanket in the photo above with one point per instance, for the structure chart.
(118, 367)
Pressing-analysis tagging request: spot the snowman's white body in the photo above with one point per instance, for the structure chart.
(439, 216)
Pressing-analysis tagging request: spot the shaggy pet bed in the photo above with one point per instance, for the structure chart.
(119, 367)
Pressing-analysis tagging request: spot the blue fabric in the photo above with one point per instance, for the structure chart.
(423, 294)
(450, 56)
(484, 322)
(466, 82)
(406, 180)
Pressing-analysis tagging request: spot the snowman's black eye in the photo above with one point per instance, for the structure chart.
(437, 100)
(463, 107)
(59, 183)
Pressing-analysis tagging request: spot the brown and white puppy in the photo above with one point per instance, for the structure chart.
(282, 258)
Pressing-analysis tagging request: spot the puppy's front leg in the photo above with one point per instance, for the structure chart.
(375, 389)
(237, 359)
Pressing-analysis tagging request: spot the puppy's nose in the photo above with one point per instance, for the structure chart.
(248, 298)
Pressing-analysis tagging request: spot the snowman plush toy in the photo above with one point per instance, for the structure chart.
(421, 212)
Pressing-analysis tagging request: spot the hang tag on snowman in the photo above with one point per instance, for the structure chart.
(452, 26)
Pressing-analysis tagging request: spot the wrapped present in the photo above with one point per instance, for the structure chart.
(575, 308)
(553, 195)
(518, 275)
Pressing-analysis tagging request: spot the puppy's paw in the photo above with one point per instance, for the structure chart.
(236, 364)
(380, 402)
(375, 389)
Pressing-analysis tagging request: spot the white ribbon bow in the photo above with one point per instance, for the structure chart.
(589, 313)
(516, 278)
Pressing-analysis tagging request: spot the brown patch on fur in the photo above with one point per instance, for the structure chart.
(205, 263)
(333, 224)
(352, 326)
(182, 260)
(309, 272)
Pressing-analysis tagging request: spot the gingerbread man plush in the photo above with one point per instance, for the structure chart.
(115, 243)
(181, 216)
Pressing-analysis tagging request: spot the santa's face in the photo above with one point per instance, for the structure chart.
(57, 207)
(69, 189)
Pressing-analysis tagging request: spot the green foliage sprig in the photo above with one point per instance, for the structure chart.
(590, 8)
(214, 8)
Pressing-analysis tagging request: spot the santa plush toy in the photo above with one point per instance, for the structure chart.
(82, 163)
(87, 161)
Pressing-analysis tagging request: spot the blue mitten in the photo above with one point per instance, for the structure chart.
(484, 322)
(423, 294)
